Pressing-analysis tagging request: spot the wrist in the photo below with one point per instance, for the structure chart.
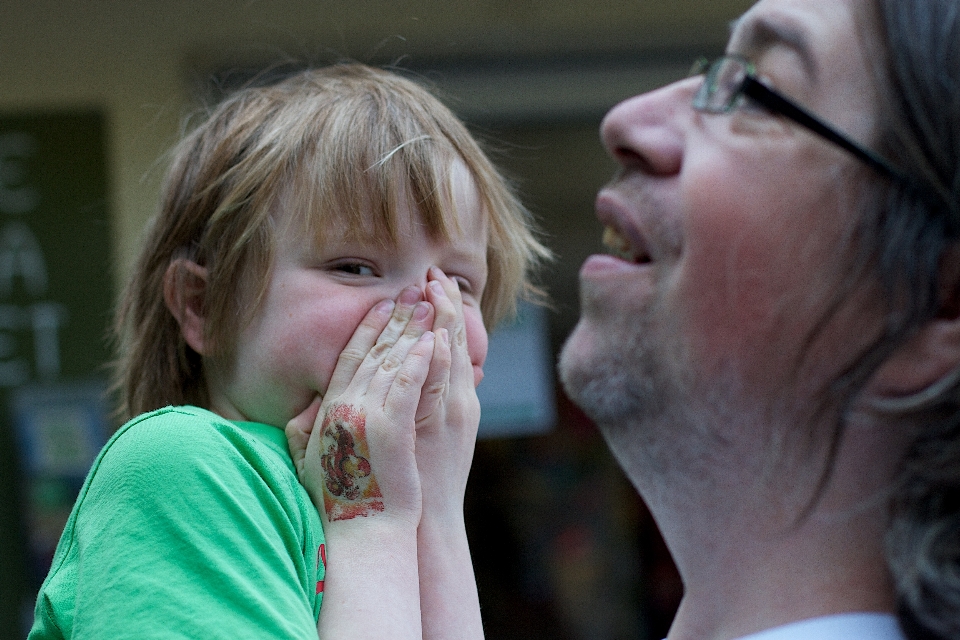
(376, 528)
(437, 532)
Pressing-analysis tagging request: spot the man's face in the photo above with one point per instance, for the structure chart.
(731, 234)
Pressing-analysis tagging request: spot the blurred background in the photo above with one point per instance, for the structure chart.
(93, 93)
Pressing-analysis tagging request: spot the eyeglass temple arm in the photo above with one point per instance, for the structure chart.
(756, 90)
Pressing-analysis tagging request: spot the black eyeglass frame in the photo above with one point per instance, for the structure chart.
(776, 102)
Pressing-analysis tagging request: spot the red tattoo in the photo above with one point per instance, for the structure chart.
(350, 489)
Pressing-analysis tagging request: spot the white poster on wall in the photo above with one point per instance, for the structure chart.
(517, 395)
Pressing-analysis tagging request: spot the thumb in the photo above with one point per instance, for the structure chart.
(298, 432)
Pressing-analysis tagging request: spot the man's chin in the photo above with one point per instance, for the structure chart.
(614, 379)
(571, 366)
(584, 374)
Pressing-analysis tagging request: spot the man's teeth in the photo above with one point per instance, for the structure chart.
(619, 245)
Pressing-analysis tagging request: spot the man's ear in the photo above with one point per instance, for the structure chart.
(931, 358)
(184, 291)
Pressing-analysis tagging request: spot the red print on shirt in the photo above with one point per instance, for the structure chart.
(321, 558)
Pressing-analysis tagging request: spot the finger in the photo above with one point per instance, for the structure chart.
(403, 394)
(406, 305)
(377, 332)
(438, 377)
(377, 374)
(444, 293)
(298, 431)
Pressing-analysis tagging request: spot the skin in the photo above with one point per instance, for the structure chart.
(718, 203)
(376, 348)
(316, 298)
(350, 489)
(706, 356)
(403, 389)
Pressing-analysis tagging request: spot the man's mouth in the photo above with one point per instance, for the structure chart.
(620, 246)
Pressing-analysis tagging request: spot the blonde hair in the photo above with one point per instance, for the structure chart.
(335, 144)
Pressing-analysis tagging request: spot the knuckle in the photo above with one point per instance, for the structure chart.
(435, 389)
(446, 314)
(351, 354)
(390, 363)
(405, 380)
(380, 349)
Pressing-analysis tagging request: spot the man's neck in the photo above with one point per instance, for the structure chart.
(754, 581)
(753, 556)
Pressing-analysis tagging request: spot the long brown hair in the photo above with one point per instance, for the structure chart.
(336, 143)
(911, 234)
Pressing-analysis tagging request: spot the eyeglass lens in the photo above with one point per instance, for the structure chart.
(720, 91)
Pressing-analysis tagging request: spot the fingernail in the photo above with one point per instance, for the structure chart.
(437, 287)
(444, 336)
(427, 336)
(410, 295)
(421, 311)
(385, 307)
(434, 272)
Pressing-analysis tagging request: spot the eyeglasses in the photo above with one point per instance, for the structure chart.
(729, 79)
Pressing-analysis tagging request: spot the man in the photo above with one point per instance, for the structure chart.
(765, 349)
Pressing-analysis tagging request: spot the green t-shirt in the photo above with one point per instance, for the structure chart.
(188, 526)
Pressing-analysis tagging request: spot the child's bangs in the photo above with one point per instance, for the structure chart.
(369, 164)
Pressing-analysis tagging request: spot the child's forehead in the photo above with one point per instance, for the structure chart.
(459, 214)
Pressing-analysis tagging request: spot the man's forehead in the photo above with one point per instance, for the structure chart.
(822, 33)
(754, 33)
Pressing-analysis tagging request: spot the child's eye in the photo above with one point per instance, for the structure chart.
(355, 268)
(463, 284)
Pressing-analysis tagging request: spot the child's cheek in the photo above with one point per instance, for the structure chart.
(477, 342)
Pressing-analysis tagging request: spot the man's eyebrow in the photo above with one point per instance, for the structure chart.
(756, 35)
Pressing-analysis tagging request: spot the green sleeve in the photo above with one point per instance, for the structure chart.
(190, 531)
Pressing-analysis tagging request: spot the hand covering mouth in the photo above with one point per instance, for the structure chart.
(620, 246)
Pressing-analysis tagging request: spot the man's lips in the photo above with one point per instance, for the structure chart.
(621, 236)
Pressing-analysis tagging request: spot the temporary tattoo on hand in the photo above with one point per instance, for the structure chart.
(350, 488)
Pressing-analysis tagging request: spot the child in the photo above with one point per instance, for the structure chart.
(329, 251)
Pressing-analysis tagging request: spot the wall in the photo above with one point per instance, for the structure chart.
(134, 59)
(536, 75)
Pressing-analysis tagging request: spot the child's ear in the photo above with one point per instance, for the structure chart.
(184, 291)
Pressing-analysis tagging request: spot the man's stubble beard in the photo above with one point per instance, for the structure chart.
(631, 382)
(616, 380)
(671, 423)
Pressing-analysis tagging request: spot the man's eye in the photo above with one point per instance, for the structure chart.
(355, 268)
(750, 105)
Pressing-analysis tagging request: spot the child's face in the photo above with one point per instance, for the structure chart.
(317, 295)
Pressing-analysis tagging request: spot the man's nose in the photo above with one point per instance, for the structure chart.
(648, 132)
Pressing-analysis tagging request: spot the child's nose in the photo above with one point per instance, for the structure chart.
(431, 273)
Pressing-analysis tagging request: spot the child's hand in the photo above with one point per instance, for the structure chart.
(449, 411)
(447, 421)
(355, 450)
